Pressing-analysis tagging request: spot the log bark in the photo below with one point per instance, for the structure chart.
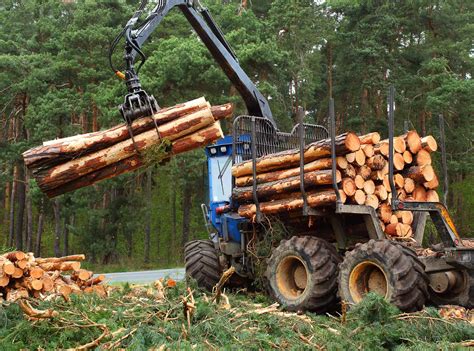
(347, 142)
(364, 171)
(421, 174)
(315, 199)
(429, 143)
(423, 158)
(58, 151)
(413, 141)
(370, 138)
(324, 163)
(376, 163)
(195, 140)
(267, 190)
(381, 192)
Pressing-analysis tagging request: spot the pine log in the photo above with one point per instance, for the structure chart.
(419, 194)
(61, 266)
(267, 190)
(58, 175)
(4, 280)
(385, 212)
(15, 256)
(95, 280)
(372, 200)
(364, 171)
(432, 196)
(421, 174)
(370, 138)
(59, 151)
(341, 162)
(22, 263)
(359, 181)
(413, 141)
(315, 199)
(423, 158)
(381, 148)
(79, 257)
(369, 187)
(349, 172)
(359, 197)
(36, 272)
(429, 143)
(432, 184)
(351, 157)
(405, 217)
(376, 162)
(195, 140)
(398, 161)
(397, 179)
(81, 274)
(407, 157)
(409, 185)
(360, 158)
(18, 273)
(321, 164)
(401, 194)
(7, 266)
(348, 186)
(381, 192)
(347, 142)
(368, 150)
(393, 219)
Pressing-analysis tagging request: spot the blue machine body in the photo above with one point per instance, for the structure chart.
(219, 164)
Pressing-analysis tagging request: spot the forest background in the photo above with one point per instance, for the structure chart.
(55, 81)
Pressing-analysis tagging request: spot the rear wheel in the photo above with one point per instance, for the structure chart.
(451, 288)
(202, 263)
(302, 274)
(385, 268)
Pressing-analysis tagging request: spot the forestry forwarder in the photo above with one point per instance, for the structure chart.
(348, 254)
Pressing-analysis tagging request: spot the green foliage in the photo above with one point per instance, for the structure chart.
(150, 322)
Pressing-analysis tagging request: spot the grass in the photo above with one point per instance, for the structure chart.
(139, 318)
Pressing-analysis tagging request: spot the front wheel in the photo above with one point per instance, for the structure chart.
(202, 263)
(302, 274)
(385, 268)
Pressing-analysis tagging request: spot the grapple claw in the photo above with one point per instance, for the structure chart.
(137, 105)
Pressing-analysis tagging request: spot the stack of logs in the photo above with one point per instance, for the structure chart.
(22, 276)
(362, 177)
(67, 164)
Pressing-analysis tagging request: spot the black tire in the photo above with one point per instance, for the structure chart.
(462, 293)
(202, 263)
(299, 258)
(387, 268)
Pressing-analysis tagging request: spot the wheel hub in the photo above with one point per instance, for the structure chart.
(291, 277)
(367, 277)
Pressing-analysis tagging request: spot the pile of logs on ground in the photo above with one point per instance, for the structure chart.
(63, 165)
(22, 276)
(362, 177)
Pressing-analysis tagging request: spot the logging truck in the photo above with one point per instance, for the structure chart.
(351, 210)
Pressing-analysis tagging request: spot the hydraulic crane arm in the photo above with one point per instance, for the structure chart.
(137, 102)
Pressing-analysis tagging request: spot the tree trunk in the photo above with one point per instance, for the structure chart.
(57, 227)
(39, 230)
(66, 236)
(187, 205)
(11, 233)
(148, 215)
(29, 216)
(21, 208)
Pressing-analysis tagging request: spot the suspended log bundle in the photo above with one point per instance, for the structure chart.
(362, 178)
(24, 276)
(71, 163)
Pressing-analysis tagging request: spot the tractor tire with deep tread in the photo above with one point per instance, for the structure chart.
(202, 263)
(302, 274)
(388, 268)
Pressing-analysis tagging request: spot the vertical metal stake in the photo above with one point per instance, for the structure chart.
(253, 143)
(443, 159)
(332, 128)
(300, 116)
(391, 110)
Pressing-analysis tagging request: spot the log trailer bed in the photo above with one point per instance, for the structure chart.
(331, 253)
